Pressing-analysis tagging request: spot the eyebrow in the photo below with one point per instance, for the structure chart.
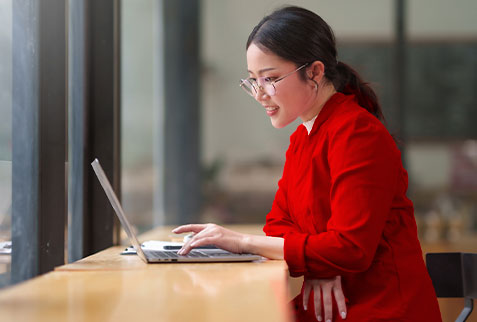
(261, 71)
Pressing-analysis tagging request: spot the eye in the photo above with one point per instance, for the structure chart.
(269, 79)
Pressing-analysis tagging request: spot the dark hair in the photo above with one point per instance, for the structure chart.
(301, 36)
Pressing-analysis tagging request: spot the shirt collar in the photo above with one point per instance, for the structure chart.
(309, 124)
(327, 110)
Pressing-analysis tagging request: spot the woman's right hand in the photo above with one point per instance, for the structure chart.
(324, 287)
(211, 234)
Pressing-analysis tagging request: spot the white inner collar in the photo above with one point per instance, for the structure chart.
(309, 124)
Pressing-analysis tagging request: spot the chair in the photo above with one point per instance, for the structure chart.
(454, 275)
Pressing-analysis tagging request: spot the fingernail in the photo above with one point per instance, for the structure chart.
(343, 315)
(328, 320)
(319, 318)
(304, 307)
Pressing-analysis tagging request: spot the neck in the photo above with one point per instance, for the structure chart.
(324, 94)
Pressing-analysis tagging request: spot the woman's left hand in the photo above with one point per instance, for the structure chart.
(324, 287)
(211, 234)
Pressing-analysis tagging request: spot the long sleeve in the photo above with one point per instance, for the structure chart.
(364, 168)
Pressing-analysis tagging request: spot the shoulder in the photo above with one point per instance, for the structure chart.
(352, 119)
(353, 128)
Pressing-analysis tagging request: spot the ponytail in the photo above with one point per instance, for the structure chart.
(348, 81)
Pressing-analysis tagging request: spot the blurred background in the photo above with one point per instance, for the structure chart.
(242, 155)
(424, 70)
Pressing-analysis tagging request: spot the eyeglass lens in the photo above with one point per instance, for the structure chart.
(252, 88)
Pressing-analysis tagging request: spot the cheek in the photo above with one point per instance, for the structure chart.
(295, 100)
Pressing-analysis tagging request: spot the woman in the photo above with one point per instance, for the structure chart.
(340, 217)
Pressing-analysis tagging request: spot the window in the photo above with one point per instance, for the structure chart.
(140, 113)
(160, 119)
(5, 139)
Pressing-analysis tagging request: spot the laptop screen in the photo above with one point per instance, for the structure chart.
(108, 189)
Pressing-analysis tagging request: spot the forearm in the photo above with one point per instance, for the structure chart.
(266, 246)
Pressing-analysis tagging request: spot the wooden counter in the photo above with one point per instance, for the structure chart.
(169, 292)
(111, 287)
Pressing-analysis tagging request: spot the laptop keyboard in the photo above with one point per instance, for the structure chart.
(192, 254)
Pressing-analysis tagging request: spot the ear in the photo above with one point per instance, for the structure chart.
(316, 71)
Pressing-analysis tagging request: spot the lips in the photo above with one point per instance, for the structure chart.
(271, 110)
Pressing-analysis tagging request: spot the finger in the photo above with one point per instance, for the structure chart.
(187, 247)
(327, 302)
(306, 295)
(202, 241)
(195, 241)
(195, 228)
(184, 250)
(340, 299)
(317, 302)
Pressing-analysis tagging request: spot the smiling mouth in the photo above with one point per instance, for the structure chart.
(271, 110)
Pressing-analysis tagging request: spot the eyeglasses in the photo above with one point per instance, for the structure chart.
(252, 86)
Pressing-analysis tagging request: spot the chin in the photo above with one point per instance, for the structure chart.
(278, 124)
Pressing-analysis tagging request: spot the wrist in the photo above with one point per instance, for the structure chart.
(246, 244)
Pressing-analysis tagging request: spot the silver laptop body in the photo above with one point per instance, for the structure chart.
(164, 256)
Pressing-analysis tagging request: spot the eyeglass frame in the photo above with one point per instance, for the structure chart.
(256, 85)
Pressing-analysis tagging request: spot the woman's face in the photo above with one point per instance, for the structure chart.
(294, 96)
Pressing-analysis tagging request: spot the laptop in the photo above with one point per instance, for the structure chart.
(206, 254)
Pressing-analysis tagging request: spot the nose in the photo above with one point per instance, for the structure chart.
(260, 94)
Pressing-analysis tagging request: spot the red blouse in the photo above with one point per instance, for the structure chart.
(342, 209)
